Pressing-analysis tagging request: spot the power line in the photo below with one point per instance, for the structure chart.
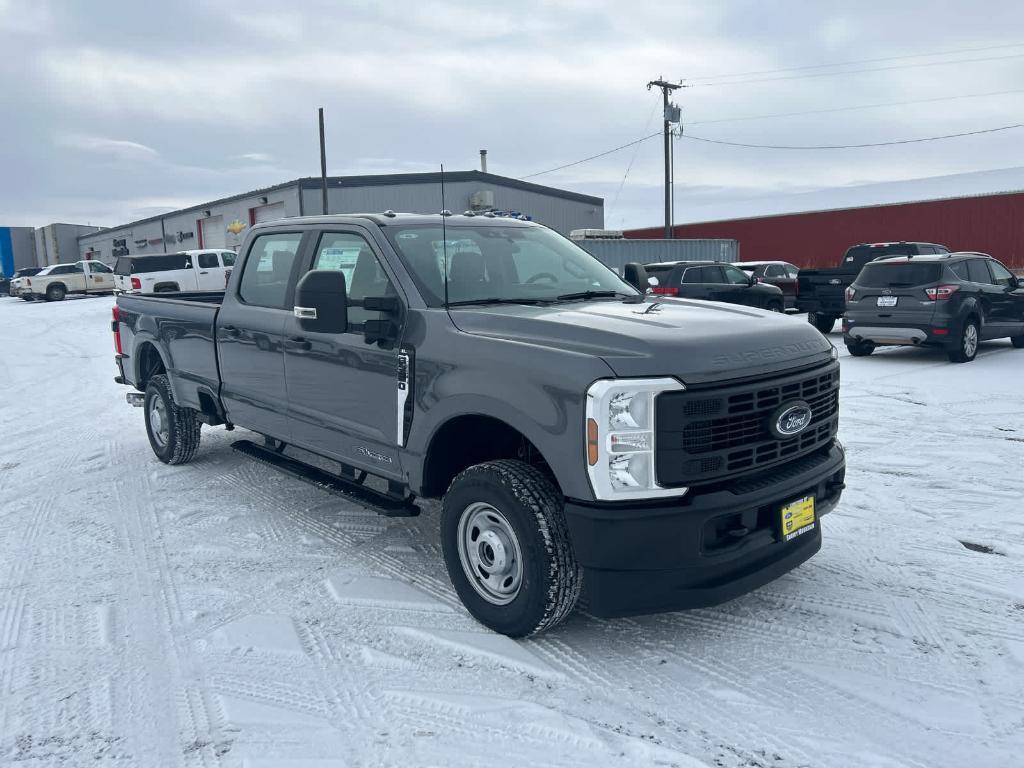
(592, 157)
(853, 146)
(857, 107)
(857, 61)
(632, 159)
(859, 71)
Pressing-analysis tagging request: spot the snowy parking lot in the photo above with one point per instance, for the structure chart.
(219, 614)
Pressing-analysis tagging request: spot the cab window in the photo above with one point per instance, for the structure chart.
(351, 254)
(268, 269)
(99, 266)
(228, 257)
(208, 261)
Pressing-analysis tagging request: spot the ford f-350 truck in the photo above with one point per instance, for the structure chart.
(660, 453)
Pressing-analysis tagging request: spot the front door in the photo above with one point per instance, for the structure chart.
(735, 287)
(342, 392)
(209, 273)
(100, 278)
(250, 336)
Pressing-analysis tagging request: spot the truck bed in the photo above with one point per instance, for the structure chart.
(182, 328)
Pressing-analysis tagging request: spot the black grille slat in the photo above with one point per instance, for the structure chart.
(700, 442)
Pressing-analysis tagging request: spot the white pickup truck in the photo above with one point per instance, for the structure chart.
(205, 270)
(58, 280)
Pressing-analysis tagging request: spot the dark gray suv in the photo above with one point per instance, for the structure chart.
(951, 300)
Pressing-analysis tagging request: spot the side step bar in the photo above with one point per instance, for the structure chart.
(390, 505)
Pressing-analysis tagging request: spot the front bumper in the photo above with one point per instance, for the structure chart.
(703, 549)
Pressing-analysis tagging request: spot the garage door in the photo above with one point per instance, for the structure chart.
(268, 213)
(213, 232)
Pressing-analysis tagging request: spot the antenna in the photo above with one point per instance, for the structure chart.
(444, 239)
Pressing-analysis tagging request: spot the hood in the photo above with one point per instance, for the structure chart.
(696, 341)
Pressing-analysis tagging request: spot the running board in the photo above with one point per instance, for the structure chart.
(382, 503)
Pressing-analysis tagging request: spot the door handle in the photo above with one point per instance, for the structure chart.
(298, 342)
(231, 331)
(204, 273)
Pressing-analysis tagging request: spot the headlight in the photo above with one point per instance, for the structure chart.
(620, 432)
(834, 352)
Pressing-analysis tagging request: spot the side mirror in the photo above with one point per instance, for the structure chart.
(752, 280)
(321, 302)
(635, 274)
(1014, 282)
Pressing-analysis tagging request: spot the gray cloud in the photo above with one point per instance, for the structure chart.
(120, 107)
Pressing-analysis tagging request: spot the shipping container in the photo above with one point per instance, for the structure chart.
(618, 253)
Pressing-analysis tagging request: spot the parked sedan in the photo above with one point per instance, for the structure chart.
(715, 282)
(781, 274)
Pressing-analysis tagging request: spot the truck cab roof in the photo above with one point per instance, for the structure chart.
(390, 218)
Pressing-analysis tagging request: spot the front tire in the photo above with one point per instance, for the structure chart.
(507, 548)
(775, 306)
(967, 347)
(824, 323)
(172, 429)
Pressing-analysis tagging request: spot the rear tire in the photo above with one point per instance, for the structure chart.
(173, 430)
(56, 292)
(824, 323)
(507, 548)
(860, 348)
(967, 346)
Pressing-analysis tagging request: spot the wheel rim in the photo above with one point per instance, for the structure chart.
(970, 340)
(158, 424)
(490, 554)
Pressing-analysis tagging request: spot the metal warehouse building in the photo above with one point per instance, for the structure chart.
(967, 212)
(223, 223)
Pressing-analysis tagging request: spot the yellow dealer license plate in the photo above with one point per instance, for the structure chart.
(797, 518)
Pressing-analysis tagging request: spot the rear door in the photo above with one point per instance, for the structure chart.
(250, 335)
(895, 291)
(990, 296)
(693, 283)
(343, 396)
(1008, 303)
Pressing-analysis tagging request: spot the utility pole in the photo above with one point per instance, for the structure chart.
(323, 162)
(666, 89)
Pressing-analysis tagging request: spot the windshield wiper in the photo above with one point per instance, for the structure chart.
(493, 300)
(591, 295)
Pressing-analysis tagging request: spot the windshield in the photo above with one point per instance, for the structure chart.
(898, 274)
(501, 263)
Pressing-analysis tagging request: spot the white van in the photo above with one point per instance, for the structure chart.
(205, 270)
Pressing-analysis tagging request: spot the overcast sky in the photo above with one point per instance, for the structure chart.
(114, 110)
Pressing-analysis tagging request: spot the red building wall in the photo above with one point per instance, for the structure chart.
(992, 224)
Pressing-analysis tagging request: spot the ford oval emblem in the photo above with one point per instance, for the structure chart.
(790, 420)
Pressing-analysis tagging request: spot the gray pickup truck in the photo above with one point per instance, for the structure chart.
(656, 453)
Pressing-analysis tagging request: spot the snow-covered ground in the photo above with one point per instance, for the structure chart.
(218, 614)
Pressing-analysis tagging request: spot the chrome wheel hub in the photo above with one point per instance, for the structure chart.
(970, 340)
(490, 554)
(158, 421)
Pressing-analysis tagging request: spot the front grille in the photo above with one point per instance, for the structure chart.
(705, 435)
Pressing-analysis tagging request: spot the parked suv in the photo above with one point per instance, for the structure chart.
(781, 274)
(715, 282)
(951, 300)
(820, 291)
